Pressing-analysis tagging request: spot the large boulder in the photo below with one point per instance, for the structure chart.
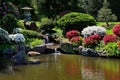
(66, 48)
(39, 48)
(20, 58)
(89, 52)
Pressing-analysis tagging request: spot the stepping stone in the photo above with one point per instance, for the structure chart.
(33, 53)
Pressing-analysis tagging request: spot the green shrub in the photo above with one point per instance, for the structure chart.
(9, 22)
(75, 20)
(30, 33)
(36, 42)
(21, 24)
(46, 24)
(112, 49)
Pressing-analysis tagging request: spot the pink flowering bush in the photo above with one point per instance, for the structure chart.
(72, 33)
(116, 30)
(109, 38)
(74, 37)
(92, 40)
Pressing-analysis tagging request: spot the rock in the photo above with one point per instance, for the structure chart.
(33, 53)
(89, 52)
(20, 58)
(49, 50)
(66, 48)
(80, 50)
(7, 53)
(39, 48)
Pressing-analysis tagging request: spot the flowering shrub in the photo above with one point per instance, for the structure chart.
(72, 33)
(109, 38)
(92, 40)
(74, 37)
(8, 8)
(17, 38)
(90, 30)
(116, 30)
(9, 13)
(4, 36)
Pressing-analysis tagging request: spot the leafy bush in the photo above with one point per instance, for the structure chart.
(46, 24)
(30, 33)
(116, 30)
(90, 30)
(9, 13)
(9, 22)
(75, 20)
(36, 42)
(21, 24)
(109, 38)
(4, 36)
(112, 49)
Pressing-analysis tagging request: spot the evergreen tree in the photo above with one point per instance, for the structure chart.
(91, 6)
(105, 13)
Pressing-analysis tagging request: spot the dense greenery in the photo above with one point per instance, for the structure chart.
(75, 20)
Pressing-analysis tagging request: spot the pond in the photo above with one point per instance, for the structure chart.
(66, 67)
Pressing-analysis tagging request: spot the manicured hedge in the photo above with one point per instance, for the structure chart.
(75, 20)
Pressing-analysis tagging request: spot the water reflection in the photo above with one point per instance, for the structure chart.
(67, 67)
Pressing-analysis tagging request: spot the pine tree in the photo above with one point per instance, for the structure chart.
(105, 13)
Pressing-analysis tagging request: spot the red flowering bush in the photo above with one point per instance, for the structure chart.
(72, 33)
(92, 40)
(109, 38)
(74, 37)
(116, 30)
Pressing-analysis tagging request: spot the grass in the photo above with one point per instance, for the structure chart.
(103, 23)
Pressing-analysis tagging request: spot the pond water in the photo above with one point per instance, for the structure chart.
(66, 67)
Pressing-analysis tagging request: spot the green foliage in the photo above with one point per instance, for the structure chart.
(36, 42)
(105, 14)
(46, 24)
(91, 6)
(112, 49)
(30, 33)
(75, 20)
(5, 46)
(52, 8)
(9, 22)
(21, 24)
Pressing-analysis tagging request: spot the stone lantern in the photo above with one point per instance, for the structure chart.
(27, 14)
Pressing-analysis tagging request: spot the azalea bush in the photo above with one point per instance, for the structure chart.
(109, 38)
(74, 37)
(116, 30)
(92, 41)
(72, 33)
(91, 30)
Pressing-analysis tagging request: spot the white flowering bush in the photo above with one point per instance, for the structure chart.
(4, 36)
(17, 38)
(91, 30)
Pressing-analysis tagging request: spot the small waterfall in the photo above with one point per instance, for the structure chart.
(56, 52)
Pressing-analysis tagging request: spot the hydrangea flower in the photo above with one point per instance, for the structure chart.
(18, 38)
(91, 30)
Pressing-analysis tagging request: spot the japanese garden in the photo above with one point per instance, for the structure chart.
(59, 40)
